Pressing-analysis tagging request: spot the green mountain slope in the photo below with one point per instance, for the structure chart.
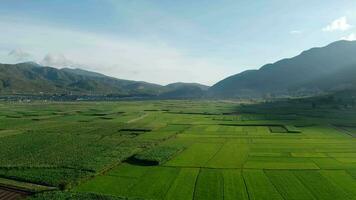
(33, 79)
(184, 90)
(307, 73)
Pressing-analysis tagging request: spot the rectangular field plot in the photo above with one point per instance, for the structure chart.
(215, 130)
(183, 186)
(320, 186)
(234, 185)
(110, 185)
(309, 155)
(155, 183)
(259, 186)
(210, 185)
(226, 130)
(278, 129)
(279, 163)
(288, 185)
(331, 163)
(129, 171)
(347, 157)
(231, 155)
(342, 179)
(197, 155)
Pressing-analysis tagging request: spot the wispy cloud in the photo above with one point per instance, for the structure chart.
(340, 24)
(295, 32)
(56, 60)
(19, 55)
(351, 37)
(122, 57)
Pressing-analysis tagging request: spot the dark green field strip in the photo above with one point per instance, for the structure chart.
(24, 186)
(331, 163)
(154, 184)
(55, 177)
(184, 185)
(67, 195)
(234, 185)
(342, 179)
(210, 185)
(320, 186)
(288, 185)
(270, 162)
(259, 186)
(110, 185)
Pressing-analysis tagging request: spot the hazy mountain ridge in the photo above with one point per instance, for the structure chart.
(305, 73)
(32, 78)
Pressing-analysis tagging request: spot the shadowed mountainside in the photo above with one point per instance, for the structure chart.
(313, 71)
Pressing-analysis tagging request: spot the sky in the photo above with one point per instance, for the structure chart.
(163, 41)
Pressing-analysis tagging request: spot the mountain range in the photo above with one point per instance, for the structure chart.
(33, 79)
(315, 71)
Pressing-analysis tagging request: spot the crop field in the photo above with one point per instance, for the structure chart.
(177, 150)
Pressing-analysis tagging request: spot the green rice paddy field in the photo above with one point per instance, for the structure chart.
(178, 150)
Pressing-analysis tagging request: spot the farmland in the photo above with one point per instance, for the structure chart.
(178, 150)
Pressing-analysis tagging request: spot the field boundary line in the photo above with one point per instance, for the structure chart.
(342, 130)
(223, 184)
(195, 183)
(269, 180)
(251, 168)
(305, 186)
(243, 178)
(216, 153)
(170, 186)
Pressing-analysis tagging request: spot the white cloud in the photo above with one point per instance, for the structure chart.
(340, 24)
(351, 37)
(117, 56)
(295, 32)
(19, 55)
(56, 60)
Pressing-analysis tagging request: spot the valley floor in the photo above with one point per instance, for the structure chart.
(179, 150)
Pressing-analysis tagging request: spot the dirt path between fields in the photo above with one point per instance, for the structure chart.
(136, 119)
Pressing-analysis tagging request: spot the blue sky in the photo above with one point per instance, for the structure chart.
(164, 41)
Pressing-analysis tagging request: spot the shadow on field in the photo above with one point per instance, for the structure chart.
(134, 161)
